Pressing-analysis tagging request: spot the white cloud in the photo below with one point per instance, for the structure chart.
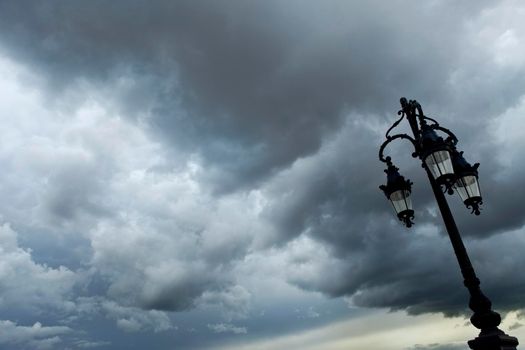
(129, 319)
(507, 132)
(129, 325)
(27, 284)
(85, 344)
(133, 319)
(233, 302)
(227, 328)
(502, 40)
(34, 337)
(157, 235)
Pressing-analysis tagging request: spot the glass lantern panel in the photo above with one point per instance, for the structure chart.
(439, 163)
(468, 187)
(401, 200)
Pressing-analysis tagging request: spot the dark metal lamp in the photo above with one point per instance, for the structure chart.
(467, 184)
(435, 152)
(447, 168)
(398, 191)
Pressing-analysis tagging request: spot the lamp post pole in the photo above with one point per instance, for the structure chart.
(483, 318)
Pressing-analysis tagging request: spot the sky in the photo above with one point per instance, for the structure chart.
(204, 174)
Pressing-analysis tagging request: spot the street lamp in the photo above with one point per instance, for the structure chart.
(467, 182)
(447, 171)
(398, 191)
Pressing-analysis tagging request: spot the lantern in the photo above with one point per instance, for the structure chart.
(435, 153)
(398, 191)
(467, 184)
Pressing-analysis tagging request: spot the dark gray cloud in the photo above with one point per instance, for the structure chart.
(378, 261)
(258, 84)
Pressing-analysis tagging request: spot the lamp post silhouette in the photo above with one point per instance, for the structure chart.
(447, 171)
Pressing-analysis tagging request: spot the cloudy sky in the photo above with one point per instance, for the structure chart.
(204, 174)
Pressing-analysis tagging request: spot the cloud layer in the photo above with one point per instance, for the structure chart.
(154, 152)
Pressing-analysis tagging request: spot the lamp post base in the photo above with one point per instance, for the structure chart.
(496, 340)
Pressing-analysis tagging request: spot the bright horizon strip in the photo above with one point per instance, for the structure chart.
(381, 330)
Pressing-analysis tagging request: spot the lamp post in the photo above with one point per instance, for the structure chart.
(447, 171)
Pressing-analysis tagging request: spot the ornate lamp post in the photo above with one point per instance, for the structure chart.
(447, 171)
